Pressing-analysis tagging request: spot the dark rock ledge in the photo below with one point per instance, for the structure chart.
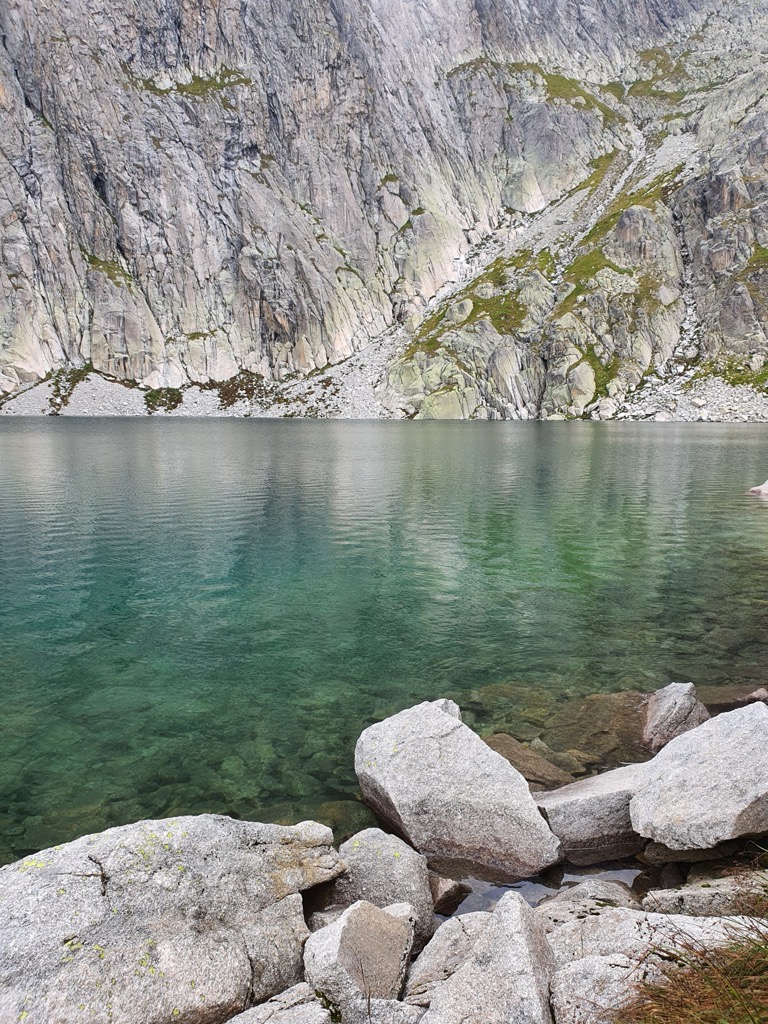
(202, 920)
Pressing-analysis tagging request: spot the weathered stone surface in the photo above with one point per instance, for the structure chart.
(635, 934)
(363, 955)
(457, 801)
(592, 895)
(297, 1005)
(383, 870)
(506, 976)
(592, 818)
(670, 712)
(708, 785)
(532, 766)
(658, 853)
(447, 893)
(709, 895)
(591, 990)
(191, 917)
(446, 952)
(609, 725)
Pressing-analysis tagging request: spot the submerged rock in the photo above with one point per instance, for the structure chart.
(609, 725)
(708, 785)
(538, 771)
(456, 800)
(191, 918)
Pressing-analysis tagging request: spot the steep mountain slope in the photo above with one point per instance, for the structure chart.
(495, 209)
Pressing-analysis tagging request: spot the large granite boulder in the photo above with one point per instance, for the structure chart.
(708, 785)
(670, 712)
(594, 989)
(446, 952)
(459, 802)
(591, 817)
(360, 958)
(383, 870)
(506, 976)
(191, 918)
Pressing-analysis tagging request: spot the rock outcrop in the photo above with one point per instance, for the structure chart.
(194, 918)
(459, 803)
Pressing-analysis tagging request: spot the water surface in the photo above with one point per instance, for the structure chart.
(203, 615)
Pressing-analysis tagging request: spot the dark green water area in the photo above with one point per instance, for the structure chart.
(203, 615)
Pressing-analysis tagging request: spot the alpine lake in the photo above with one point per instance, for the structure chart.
(203, 615)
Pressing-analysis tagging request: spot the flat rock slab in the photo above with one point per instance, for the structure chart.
(383, 870)
(297, 1005)
(362, 956)
(587, 897)
(506, 976)
(708, 785)
(459, 802)
(743, 893)
(591, 817)
(191, 918)
(592, 990)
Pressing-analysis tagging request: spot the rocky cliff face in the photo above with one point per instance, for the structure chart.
(506, 210)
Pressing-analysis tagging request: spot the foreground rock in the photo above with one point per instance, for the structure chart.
(706, 894)
(591, 817)
(455, 799)
(708, 785)
(587, 897)
(671, 712)
(298, 1005)
(191, 918)
(383, 870)
(447, 951)
(506, 976)
(360, 958)
(593, 989)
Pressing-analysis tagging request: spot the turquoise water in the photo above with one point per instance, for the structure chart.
(203, 615)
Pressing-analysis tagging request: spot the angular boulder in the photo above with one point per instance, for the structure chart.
(446, 952)
(506, 976)
(361, 957)
(459, 802)
(708, 785)
(587, 897)
(447, 893)
(383, 870)
(670, 712)
(711, 896)
(191, 918)
(591, 817)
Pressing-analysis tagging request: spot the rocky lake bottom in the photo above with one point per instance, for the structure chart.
(202, 616)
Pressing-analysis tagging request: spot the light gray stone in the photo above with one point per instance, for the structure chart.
(708, 785)
(741, 893)
(588, 897)
(445, 953)
(383, 870)
(670, 712)
(459, 803)
(637, 934)
(447, 893)
(592, 990)
(190, 917)
(297, 1005)
(591, 817)
(506, 976)
(362, 956)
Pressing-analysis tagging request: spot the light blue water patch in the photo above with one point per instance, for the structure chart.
(203, 615)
